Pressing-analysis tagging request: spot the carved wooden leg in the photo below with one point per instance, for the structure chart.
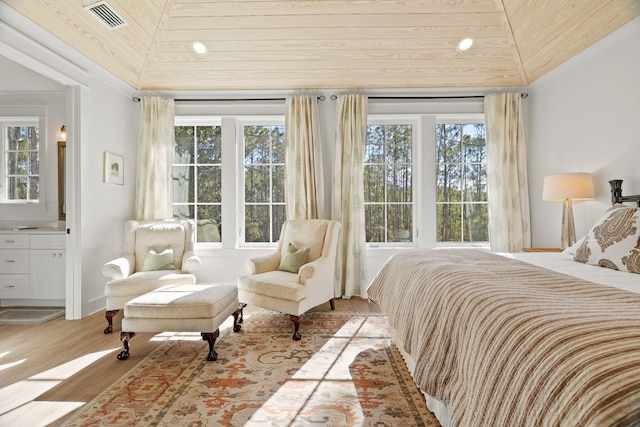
(242, 306)
(296, 323)
(211, 337)
(125, 337)
(109, 316)
(237, 317)
(332, 304)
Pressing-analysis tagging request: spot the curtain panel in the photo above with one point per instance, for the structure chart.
(348, 192)
(508, 188)
(155, 159)
(304, 196)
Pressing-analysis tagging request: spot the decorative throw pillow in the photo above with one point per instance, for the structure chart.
(294, 258)
(614, 241)
(158, 261)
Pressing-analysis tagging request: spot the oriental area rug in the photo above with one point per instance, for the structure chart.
(343, 372)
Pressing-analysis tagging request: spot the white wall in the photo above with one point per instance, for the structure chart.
(584, 117)
(109, 123)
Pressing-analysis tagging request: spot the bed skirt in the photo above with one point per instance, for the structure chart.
(436, 406)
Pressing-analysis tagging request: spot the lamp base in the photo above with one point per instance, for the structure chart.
(568, 235)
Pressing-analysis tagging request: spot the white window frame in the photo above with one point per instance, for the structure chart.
(26, 120)
(204, 121)
(416, 175)
(241, 122)
(455, 119)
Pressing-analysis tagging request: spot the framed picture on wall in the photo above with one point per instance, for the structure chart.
(113, 168)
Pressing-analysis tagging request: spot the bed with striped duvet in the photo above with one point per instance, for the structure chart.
(506, 343)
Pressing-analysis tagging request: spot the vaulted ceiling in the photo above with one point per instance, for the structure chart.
(294, 44)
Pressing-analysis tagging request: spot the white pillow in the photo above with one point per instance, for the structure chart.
(614, 241)
(158, 261)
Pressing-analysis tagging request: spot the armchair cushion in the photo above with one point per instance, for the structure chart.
(158, 260)
(294, 258)
(303, 233)
(276, 284)
(159, 235)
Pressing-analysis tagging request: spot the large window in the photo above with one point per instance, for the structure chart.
(461, 179)
(20, 160)
(197, 177)
(388, 182)
(264, 208)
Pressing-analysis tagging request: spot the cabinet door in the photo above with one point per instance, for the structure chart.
(47, 274)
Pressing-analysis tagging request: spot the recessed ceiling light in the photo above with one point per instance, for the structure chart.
(465, 44)
(199, 47)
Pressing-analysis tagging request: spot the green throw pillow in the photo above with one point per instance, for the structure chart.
(158, 261)
(294, 259)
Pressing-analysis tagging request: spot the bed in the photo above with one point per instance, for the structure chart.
(526, 339)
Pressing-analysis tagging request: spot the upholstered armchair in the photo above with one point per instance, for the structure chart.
(156, 253)
(299, 275)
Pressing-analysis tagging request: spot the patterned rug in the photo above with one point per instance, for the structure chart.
(344, 372)
(28, 316)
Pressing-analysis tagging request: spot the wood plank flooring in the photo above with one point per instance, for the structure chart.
(73, 361)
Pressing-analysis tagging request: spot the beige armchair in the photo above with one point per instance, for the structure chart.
(156, 253)
(299, 275)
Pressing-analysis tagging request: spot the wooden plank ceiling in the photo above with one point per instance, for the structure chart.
(296, 44)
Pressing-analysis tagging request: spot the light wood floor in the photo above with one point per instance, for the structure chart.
(73, 361)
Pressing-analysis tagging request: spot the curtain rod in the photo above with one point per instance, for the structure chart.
(332, 97)
(428, 97)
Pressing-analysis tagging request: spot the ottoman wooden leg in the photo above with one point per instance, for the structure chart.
(211, 337)
(125, 337)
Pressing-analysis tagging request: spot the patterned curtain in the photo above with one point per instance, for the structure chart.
(155, 159)
(348, 193)
(303, 159)
(509, 221)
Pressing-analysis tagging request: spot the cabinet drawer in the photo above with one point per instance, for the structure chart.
(14, 262)
(14, 286)
(47, 241)
(17, 241)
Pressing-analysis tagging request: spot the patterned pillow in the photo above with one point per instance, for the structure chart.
(614, 241)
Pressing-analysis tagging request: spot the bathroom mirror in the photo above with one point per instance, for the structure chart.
(62, 146)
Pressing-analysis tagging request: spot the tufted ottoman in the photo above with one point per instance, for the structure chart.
(182, 308)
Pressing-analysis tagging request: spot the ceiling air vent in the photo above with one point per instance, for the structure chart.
(107, 15)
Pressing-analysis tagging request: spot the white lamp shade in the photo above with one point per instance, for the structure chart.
(573, 186)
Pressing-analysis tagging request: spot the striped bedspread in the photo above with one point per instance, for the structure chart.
(506, 343)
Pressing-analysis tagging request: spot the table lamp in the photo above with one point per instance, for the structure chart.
(568, 187)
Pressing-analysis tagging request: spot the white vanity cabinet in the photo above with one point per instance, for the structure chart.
(14, 266)
(32, 266)
(47, 266)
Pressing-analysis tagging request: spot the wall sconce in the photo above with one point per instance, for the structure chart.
(568, 187)
(62, 134)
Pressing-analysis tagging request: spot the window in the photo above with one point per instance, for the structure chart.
(264, 208)
(197, 176)
(388, 182)
(21, 160)
(461, 179)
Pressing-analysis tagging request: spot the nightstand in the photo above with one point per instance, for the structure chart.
(541, 250)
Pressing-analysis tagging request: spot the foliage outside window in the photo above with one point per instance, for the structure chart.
(461, 179)
(21, 160)
(264, 206)
(388, 183)
(197, 178)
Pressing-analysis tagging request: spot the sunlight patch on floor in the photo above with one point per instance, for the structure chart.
(12, 364)
(17, 400)
(325, 374)
(38, 414)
